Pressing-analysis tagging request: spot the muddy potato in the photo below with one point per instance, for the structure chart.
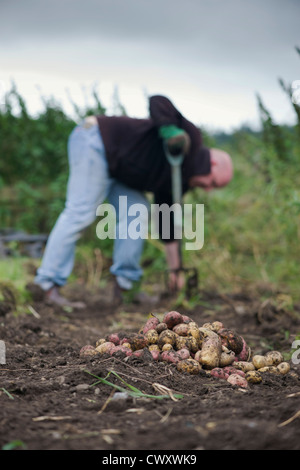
(106, 348)
(188, 342)
(253, 377)
(190, 366)
(167, 347)
(155, 354)
(235, 379)
(182, 329)
(170, 356)
(273, 358)
(88, 350)
(121, 348)
(113, 338)
(194, 331)
(138, 341)
(211, 350)
(226, 358)
(166, 336)
(269, 369)
(151, 336)
(150, 324)
(284, 368)
(186, 319)
(126, 345)
(231, 340)
(172, 318)
(217, 326)
(232, 370)
(161, 327)
(259, 361)
(219, 373)
(100, 341)
(153, 347)
(183, 353)
(245, 353)
(245, 366)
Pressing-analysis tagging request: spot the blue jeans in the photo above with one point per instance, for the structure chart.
(89, 185)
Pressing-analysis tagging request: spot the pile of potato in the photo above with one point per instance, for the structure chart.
(177, 339)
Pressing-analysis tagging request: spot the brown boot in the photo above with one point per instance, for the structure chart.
(122, 295)
(54, 297)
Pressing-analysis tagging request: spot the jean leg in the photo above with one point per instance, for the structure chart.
(128, 245)
(88, 186)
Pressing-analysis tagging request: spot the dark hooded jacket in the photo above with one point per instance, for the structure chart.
(135, 151)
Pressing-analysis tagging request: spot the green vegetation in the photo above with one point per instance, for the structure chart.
(252, 227)
(132, 391)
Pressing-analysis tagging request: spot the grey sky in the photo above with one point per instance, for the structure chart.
(209, 56)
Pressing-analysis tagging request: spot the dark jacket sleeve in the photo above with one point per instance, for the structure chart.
(163, 112)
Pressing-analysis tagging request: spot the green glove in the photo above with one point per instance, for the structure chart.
(178, 141)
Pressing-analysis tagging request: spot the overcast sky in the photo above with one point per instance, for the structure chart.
(210, 57)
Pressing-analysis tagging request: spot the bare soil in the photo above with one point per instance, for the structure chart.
(49, 400)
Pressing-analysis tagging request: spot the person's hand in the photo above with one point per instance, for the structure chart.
(176, 281)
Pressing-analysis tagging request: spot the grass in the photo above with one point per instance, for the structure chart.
(130, 389)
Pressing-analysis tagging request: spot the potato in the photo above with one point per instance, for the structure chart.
(166, 336)
(106, 348)
(188, 342)
(186, 319)
(273, 358)
(270, 369)
(245, 353)
(172, 318)
(231, 340)
(126, 345)
(189, 366)
(217, 326)
(151, 324)
(197, 355)
(283, 367)
(245, 366)
(232, 370)
(138, 353)
(183, 353)
(226, 358)
(259, 361)
(100, 341)
(153, 347)
(182, 329)
(161, 327)
(194, 331)
(170, 356)
(235, 379)
(214, 326)
(211, 351)
(88, 350)
(122, 349)
(167, 347)
(113, 338)
(151, 336)
(155, 354)
(253, 377)
(219, 373)
(138, 341)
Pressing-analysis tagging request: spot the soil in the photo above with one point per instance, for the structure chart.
(51, 399)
